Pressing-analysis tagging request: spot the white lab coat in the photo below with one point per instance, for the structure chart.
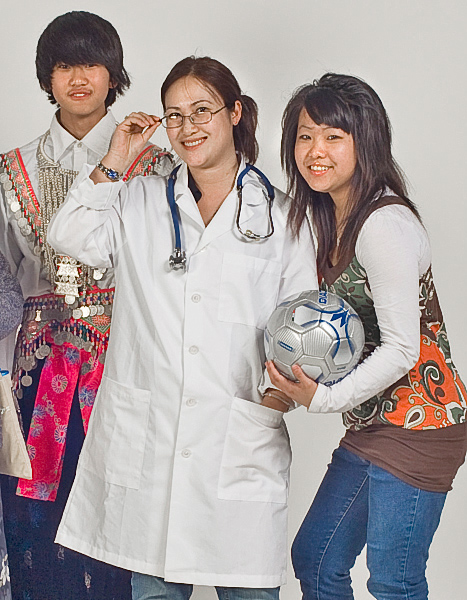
(183, 474)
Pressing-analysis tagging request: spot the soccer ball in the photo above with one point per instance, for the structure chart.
(317, 330)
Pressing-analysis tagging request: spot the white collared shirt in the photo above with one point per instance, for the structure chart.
(71, 153)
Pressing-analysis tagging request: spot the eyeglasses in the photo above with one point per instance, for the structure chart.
(199, 117)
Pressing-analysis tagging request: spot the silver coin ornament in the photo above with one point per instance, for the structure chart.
(85, 368)
(317, 330)
(26, 380)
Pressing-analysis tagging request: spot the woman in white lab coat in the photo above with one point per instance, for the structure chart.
(183, 477)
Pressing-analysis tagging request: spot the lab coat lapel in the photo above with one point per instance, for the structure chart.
(225, 218)
(222, 222)
(184, 198)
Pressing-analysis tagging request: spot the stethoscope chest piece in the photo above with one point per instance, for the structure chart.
(177, 260)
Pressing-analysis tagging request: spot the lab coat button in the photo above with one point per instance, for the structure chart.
(186, 453)
(193, 350)
(79, 145)
(191, 402)
(196, 298)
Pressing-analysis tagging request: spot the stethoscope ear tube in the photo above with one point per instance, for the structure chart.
(265, 181)
(177, 260)
(250, 235)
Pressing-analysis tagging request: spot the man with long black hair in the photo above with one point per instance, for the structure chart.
(61, 346)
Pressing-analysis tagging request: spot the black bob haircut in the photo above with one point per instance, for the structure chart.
(81, 38)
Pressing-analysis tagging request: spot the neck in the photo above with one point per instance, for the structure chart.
(216, 180)
(340, 211)
(80, 125)
(215, 185)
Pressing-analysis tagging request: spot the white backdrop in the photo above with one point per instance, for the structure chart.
(411, 51)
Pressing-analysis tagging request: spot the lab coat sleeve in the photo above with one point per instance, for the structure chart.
(86, 225)
(391, 246)
(299, 273)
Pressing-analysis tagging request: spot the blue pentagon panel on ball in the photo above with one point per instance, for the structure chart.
(317, 330)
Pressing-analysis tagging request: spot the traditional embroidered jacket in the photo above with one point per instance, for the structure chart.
(431, 395)
(70, 339)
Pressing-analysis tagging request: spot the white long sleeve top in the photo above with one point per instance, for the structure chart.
(394, 250)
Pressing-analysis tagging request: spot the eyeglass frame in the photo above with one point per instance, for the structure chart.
(190, 116)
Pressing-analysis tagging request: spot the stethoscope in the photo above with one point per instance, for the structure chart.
(177, 260)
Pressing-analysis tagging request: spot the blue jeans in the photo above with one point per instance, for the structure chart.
(148, 587)
(359, 503)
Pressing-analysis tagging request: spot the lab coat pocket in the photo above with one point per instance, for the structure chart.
(114, 446)
(249, 289)
(257, 455)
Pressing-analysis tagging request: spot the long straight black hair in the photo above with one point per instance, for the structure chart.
(222, 83)
(350, 104)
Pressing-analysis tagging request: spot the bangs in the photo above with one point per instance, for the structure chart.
(326, 108)
(83, 48)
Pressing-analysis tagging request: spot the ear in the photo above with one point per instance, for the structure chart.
(236, 113)
(112, 84)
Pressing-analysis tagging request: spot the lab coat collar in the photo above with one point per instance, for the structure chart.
(97, 140)
(225, 218)
(255, 196)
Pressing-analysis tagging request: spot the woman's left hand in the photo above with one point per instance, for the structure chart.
(302, 391)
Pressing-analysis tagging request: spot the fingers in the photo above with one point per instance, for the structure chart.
(138, 122)
(278, 380)
(148, 132)
(302, 390)
(300, 374)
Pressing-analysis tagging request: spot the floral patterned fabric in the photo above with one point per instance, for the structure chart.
(431, 395)
(39, 568)
(61, 374)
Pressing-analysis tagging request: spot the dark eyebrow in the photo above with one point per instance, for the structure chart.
(324, 128)
(192, 104)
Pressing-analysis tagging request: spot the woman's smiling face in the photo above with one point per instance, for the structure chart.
(325, 157)
(204, 145)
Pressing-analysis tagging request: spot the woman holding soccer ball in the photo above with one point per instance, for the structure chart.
(404, 406)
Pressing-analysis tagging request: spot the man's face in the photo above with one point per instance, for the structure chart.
(80, 90)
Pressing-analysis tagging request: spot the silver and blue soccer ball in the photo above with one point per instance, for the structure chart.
(317, 330)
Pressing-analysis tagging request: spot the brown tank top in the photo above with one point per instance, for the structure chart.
(415, 429)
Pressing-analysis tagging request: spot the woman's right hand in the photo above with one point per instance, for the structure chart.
(128, 141)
